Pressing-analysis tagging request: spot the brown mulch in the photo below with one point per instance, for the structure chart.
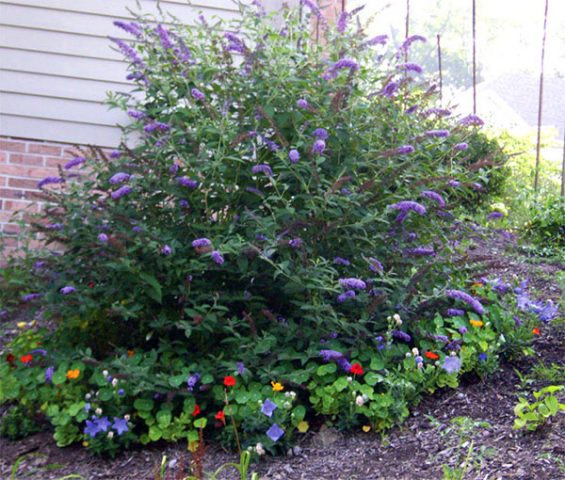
(417, 450)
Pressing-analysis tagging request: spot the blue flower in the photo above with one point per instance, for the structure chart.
(192, 381)
(120, 425)
(268, 408)
(49, 374)
(91, 428)
(482, 357)
(275, 432)
(103, 424)
(451, 364)
(67, 290)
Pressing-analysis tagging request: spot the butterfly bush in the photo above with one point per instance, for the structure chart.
(262, 211)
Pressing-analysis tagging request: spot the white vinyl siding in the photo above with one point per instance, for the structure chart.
(57, 63)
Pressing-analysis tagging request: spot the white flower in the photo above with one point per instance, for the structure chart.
(293, 394)
(397, 319)
(87, 396)
(105, 373)
(502, 338)
(349, 379)
(359, 401)
(415, 352)
(420, 365)
(126, 418)
(408, 354)
(98, 411)
(114, 382)
(259, 449)
(110, 434)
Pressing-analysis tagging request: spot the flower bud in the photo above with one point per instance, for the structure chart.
(105, 373)
(98, 411)
(110, 435)
(359, 401)
(114, 382)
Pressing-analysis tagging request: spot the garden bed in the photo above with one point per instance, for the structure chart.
(430, 438)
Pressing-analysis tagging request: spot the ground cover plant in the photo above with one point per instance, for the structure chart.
(277, 251)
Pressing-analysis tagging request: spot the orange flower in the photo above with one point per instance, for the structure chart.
(536, 331)
(26, 358)
(220, 416)
(130, 353)
(229, 381)
(356, 369)
(196, 411)
(476, 323)
(73, 374)
(277, 386)
(431, 355)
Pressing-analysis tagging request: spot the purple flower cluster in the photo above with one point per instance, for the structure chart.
(408, 42)
(451, 364)
(440, 112)
(466, 298)
(131, 28)
(120, 192)
(217, 257)
(321, 133)
(390, 89)
(437, 133)
(136, 114)
(192, 381)
(103, 238)
(405, 206)
(337, 357)
(341, 261)
(378, 40)
(197, 95)
(313, 8)
(128, 52)
(461, 146)
(49, 181)
(262, 168)
(67, 290)
(187, 182)
(404, 150)
(235, 44)
(120, 177)
(402, 336)
(102, 425)
(201, 242)
(164, 37)
(421, 251)
(471, 121)
(436, 197)
(295, 243)
(166, 250)
(495, 215)
(74, 162)
(353, 283)
(302, 103)
(344, 63)
(410, 67)
(153, 126)
(343, 297)
(453, 183)
(294, 156)
(455, 312)
(319, 147)
(375, 265)
(54, 226)
(31, 296)
(341, 24)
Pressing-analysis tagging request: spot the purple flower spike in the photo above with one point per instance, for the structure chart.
(268, 408)
(217, 257)
(31, 296)
(472, 121)
(294, 156)
(404, 150)
(103, 238)
(436, 197)
(49, 374)
(330, 355)
(455, 312)
(451, 364)
(375, 265)
(197, 95)
(187, 182)
(275, 432)
(406, 205)
(166, 250)
(346, 296)
(410, 67)
(353, 283)
(437, 133)
(378, 40)
(192, 381)
(74, 162)
(453, 183)
(295, 243)
(321, 133)
(319, 147)
(421, 251)
(341, 261)
(468, 299)
(201, 242)
(119, 177)
(461, 146)
(49, 180)
(120, 192)
(400, 335)
(262, 168)
(495, 215)
(67, 290)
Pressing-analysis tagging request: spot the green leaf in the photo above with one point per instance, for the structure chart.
(155, 433)
(340, 384)
(326, 369)
(372, 378)
(200, 422)
(153, 287)
(143, 404)
(75, 408)
(177, 380)
(164, 418)
(298, 414)
(106, 394)
(58, 378)
(377, 363)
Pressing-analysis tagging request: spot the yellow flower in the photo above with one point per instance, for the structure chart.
(21, 325)
(85, 444)
(303, 426)
(277, 386)
(476, 323)
(366, 428)
(73, 374)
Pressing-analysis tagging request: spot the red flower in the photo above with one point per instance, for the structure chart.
(26, 358)
(229, 381)
(91, 285)
(431, 355)
(220, 416)
(196, 411)
(536, 331)
(356, 369)
(10, 358)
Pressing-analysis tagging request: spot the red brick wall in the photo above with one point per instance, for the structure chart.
(22, 164)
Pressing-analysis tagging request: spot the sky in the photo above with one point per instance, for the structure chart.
(509, 32)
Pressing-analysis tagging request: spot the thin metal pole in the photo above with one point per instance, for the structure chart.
(439, 67)
(540, 104)
(342, 6)
(563, 168)
(407, 28)
(474, 57)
